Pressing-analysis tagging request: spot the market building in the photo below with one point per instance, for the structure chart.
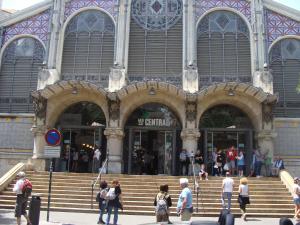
(149, 77)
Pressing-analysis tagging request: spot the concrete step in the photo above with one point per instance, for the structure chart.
(72, 192)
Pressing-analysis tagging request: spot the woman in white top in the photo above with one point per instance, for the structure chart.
(243, 198)
(296, 197)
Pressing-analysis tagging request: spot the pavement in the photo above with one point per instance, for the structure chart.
(69, 218)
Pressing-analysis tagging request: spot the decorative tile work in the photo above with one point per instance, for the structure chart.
(36, 25)
(242, 6)
(278, 25)
(110, 6)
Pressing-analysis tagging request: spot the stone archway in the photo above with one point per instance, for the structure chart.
(53, 100)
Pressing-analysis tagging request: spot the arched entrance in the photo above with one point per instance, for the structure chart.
(223, 126)
(152, 137)
(82, 126)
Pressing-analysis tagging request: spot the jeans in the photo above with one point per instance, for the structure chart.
(227, 195)
(109, 211)
(102, 207)
(257, 170)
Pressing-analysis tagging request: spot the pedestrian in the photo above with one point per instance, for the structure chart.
(231, 156)
(241, 163)
(277, 166)
(198, 161)
(296, 197)
(220, 160)
(268, 164)
(227, 189)
(243, 197)
(184, 162)
(162, 203)
(202, 173)
(185, 201)
(96, 160)
(114, 201)
(22, 188)
(259, 162)
(101, 199)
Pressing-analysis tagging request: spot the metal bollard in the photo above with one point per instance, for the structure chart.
(34, 210)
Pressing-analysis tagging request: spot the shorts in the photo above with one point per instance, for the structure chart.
(21, 205)
(231, 164)
(297, 201)
(241, 167)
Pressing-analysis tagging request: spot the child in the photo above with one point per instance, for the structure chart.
(102, 201)
(202, 173)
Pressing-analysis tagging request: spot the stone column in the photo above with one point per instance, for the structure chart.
(265, 140)
(38, 161)
(117, 77)
(39, 129)
(114, 137)
(190, 71)
(262, 78)
(190, 139)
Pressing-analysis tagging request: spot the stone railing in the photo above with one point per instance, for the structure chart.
(10, 175)
(287, 180)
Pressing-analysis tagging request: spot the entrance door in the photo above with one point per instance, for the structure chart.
(223, 139)
(151, 151)
(78, 147)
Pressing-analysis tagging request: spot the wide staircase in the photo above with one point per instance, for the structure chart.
(72, 192)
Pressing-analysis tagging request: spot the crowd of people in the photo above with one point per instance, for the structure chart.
(229, 160)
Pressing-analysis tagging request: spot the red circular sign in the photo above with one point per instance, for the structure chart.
(53, 137)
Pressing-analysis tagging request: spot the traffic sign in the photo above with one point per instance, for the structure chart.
(53, 137)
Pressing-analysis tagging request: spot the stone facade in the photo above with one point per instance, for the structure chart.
(121, 98)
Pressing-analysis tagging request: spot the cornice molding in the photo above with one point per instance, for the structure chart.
(282, 9)
(26, 13)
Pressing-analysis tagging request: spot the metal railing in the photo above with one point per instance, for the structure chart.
(94, 183)
(196, 184)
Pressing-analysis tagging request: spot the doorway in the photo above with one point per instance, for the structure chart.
(82, 127)
(221, 127)
(151, 141)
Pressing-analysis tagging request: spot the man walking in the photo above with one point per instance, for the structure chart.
(22, 198)
(185, 201)
(227, 189)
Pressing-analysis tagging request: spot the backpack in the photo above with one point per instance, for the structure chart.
(27, 188)
(111, 195)
(161, 205)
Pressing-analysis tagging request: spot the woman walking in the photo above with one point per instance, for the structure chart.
(243, 198)
(296, 197)
(240, 163)
(102, 201)
(114, 201)
(162, 203)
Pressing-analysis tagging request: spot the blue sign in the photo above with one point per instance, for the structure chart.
(53, 137)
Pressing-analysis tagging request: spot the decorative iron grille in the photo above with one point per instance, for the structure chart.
(285, 68)
(19, 74)
(223, 49)
(89, 48)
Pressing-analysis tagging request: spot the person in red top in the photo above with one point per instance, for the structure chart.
(231, 155)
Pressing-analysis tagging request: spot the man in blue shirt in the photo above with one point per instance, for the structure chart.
(185, 201)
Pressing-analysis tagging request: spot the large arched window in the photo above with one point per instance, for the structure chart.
(223, 49)
(155, 44)
(21, 61)
(89, 48)
(285, 68)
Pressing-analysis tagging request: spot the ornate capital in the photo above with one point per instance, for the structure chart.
(191, 111)
(114, 133)
(114, 106)
(39, 106)
(268, 107)
(190, 134)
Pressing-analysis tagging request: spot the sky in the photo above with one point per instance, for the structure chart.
(20, 4)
